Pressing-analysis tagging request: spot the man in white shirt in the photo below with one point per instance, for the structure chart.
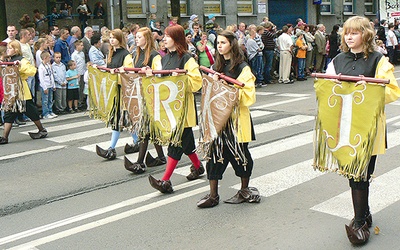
(11, 33)
(392, 42)
(285, 44)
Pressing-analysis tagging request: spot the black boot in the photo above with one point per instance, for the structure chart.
(358, 232)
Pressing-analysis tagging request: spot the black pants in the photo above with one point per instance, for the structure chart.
(216, 169)
(187, 147)
(363, 185)
(31, 112)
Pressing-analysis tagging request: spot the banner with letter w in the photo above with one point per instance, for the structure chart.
(165, 100)
(103, 95)
(346, 126)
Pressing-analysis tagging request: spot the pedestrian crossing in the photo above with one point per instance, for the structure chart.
(269, 184)
(384, 193)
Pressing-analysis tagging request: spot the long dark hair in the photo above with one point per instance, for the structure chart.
(236, 54)
(177, 33)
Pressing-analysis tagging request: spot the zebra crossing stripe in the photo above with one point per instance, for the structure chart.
(32, 152)
(273, 148)
(79, 135)
(73, 125)
(259, 129)
(268, 105)
(385, 190)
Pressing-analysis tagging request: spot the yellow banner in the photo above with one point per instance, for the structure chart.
(346, 126)
(165, 101)
(103, 95)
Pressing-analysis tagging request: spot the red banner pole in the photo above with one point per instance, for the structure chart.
(351, 78)
(222, 76)
(9, 63)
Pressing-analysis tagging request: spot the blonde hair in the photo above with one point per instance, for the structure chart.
(361, 24)
(39, 43)
(16, 46)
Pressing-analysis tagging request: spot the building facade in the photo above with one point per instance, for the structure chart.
(280, 12)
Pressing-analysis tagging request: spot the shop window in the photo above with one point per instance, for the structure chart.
(212, 7)
(348, 7)
(183, 6)
(136, 9)
(326, 7)
(245, 8)
(369, 7)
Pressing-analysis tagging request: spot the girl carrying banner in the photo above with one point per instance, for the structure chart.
(146, 56)
(230, 61)
(25, 70)
(118, 56)
(360, 59)
(178, 57)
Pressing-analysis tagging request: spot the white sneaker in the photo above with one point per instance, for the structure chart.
(53, 115)
(47, 117)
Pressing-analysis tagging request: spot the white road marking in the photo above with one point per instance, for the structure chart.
(281, 102)
(72, 125)
(111, 219)
(384, 191)
(266, 93)
(31, 152)
(80, 135)
(283, 179)
(91, 214)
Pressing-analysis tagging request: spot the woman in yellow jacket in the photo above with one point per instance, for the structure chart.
(230, 61)
(25, 70)
(118, 57)
(178, 57)
(360, 58)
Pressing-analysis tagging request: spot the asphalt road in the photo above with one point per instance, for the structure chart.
(57, 193)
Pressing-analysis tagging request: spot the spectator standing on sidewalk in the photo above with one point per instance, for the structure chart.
(47, 85)
(267, 38)
(60, 95)
(392, 42)
(285, 46)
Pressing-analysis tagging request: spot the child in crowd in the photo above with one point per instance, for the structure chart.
(79, 57)
(47, 85)
(152, 23)
(380, 47)
(173, 21)
(301, 55)
(60, 95)
(72, 77)
(40, 46)
(162, 50)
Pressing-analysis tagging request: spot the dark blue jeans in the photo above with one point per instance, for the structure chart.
(269, 58)
(256, 64)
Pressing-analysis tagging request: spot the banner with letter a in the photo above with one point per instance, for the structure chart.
(165, 101)
(103, 95)
(13, 89)
(346, 126)
(132, 99)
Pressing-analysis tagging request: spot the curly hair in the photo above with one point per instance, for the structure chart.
(361, 24)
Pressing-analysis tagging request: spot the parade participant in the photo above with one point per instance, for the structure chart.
(179, 58)
(360, 58)
(230, 61)
(118, 56)
(25, 70)
(145, 56)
